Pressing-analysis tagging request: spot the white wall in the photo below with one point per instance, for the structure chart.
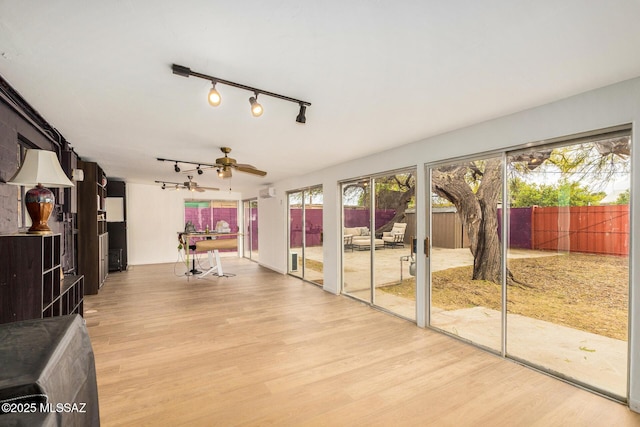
(155, 216)
(605, 107)
(272, 232)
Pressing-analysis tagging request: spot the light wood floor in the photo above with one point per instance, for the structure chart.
(262, 349)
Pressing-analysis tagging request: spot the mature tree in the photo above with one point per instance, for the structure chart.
(474, 188)
(623, 198)
(393, 192)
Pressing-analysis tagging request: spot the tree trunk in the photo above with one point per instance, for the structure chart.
(487, 259)
(478, 211)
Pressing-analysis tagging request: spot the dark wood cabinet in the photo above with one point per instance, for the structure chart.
(93, 243)
(31, 282)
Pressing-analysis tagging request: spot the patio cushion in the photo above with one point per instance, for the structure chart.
(356, 231)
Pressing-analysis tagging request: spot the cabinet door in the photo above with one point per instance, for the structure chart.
(104, 256)
(21, 277)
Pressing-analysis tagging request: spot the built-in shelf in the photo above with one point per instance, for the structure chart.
(93, 243)
(31, 282)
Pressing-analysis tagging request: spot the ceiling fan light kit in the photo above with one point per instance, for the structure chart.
(214, 97)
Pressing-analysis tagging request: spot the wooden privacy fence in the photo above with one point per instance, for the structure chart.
(591, 229)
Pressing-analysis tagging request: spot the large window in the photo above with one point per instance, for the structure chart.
(465, 198)
(530, 256)
(568, 260)
(209, 214)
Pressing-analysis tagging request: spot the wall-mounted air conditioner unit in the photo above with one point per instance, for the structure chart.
(267, 193)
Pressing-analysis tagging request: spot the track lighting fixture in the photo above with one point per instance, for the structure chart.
(223, 166)
(256, 108)
(301, 117)
(214, 96)
(189, 185)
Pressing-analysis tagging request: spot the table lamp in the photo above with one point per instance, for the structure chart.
(40, 168)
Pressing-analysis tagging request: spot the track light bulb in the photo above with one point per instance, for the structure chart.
(214, 97)
(164, 185)
(200, 171)
(256, 108)
(176, 168)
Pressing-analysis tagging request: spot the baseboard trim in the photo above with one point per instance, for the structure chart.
(277, 270)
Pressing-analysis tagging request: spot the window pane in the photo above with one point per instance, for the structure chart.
(567, 309)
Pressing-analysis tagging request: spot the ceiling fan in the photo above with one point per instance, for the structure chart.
(223, 165)
(190, 185)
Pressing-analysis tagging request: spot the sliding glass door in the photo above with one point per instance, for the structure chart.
(544, 277)
(395, 225)
(378, 265)
(356, 239)
(250, 237)
(296, 233)
(568, 260)
(306, 234)
(466, 290)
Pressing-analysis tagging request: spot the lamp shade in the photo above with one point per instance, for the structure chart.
(41, 167)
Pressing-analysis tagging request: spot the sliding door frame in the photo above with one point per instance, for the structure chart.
(302, 261)
(371, 179)
(627, 129)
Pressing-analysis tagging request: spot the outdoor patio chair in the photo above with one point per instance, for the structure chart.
(348, 242)
(395, 237)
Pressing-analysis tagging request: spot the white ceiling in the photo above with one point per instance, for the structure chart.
(379, 74)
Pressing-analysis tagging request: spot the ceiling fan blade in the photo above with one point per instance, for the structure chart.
(250, 169)
(210, 188)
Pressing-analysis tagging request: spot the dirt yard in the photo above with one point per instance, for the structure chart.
(581, 291)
